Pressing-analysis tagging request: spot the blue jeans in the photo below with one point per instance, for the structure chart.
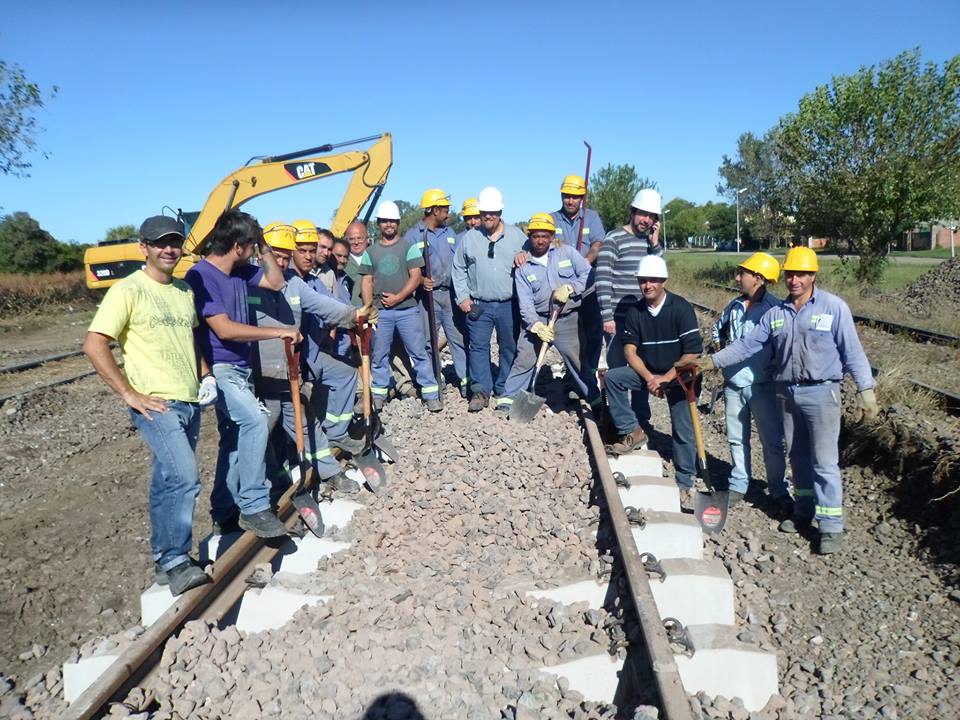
(499, 315)
(621, 382)
(639, 397)
(409, 325)
(241, 477)
(760, 401)
(811, 427)
(175, 484)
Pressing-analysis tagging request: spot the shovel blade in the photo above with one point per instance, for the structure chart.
(374, 474)
(309, 512)
(525, 406)
(386, 449)
(711, 510)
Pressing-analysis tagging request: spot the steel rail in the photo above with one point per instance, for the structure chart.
(948, 400)
(673, 698)
(138, 664)
(47, 386)
(931, 336)
(30, 364)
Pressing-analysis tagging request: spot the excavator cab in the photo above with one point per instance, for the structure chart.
(107, 263)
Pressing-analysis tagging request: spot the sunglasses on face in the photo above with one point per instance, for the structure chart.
(161, 243)
(489, 213)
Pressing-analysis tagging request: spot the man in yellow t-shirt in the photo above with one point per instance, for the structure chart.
(152, 317)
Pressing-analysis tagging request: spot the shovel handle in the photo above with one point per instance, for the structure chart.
(556, 308)
(362, 336)
(687, 377)
(293, 371)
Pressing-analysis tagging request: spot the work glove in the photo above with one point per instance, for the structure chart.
(544, 332)
(369, 313)
(868, 403)
(563, 293)
(207, 394)
(705, 364)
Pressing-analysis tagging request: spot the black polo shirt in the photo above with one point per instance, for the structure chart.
(661, 340)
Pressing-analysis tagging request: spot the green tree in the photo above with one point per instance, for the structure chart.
(410, 214)
(612, 189)
(764, 210)
(121, 232)
(685, 220)
(19, 99)
(25, 247)
(875, 152)
(721, 219)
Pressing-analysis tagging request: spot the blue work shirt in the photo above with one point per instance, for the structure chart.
(818, 343)
(478, 276)
(321, 311)
(535, 282)
(568, 230)
(738, 320)
(443, 245)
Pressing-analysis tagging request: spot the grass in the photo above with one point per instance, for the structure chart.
(943, 253)
(36, 294)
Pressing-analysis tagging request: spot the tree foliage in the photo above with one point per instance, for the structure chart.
(612, 189)
(875, 152)
(686, 219)
(121, 232)
(764, 206)
(19, 99)
(27, 248)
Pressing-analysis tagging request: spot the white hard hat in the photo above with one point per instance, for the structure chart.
(388, 210)
(647, 199)
(652, 266)
(490, 199)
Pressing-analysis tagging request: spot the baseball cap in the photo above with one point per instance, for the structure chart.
(156, 227)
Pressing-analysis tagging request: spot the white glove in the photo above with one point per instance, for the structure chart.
(544, 332)
(207, 394)
(563, 293)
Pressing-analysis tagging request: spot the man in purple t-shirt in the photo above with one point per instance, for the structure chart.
(241, 491)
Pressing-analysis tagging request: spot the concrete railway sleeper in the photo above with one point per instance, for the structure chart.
(503, 579)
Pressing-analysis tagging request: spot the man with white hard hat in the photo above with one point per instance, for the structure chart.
(483, 282)
(620, 252)
(658, 332)
(390, 272)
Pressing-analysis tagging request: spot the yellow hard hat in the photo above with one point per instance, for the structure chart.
(573, 185)
(541, 221)
(306, 232)
(470, 208)
(801, 259)
(433, 197)
(762, 264)
(280, 235)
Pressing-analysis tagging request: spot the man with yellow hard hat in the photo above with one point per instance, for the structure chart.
(551, 274)
(470, 212)
(434, 238)
(573, 189)
(814, 342)
(748, 389)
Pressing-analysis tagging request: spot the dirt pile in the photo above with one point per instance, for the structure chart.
(932, 289)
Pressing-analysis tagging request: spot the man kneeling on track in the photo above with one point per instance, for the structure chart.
(748, 389)
(152, 316)
(659, 332)
(289, 307)
(550, 273)
(814, 342)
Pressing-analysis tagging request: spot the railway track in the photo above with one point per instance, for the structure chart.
(666, 644)
(43, 373)
(948, 400)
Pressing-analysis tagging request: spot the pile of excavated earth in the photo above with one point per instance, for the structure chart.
(933, 290)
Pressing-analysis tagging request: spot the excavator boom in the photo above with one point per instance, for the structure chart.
(107, 264)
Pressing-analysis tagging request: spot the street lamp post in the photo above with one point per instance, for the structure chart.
(666, 210)
(739, 192)
(953, 229)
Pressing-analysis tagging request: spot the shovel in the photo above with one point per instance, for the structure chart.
(711, 507)
(374, 474)
(527, 403)
(302, 500)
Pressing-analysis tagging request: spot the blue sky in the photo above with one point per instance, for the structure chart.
(159, 101)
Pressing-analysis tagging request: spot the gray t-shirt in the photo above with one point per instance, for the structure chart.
(390, 266)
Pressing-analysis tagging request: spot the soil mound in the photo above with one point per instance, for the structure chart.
(933, 288)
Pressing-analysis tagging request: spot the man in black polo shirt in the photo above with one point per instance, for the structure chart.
(659, 332)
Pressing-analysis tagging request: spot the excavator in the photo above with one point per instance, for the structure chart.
(107, 263)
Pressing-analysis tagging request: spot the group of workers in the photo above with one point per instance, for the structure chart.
(223, 337)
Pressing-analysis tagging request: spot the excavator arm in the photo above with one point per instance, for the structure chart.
(261, 175)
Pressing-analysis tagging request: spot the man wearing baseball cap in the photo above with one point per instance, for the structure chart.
(152, 316)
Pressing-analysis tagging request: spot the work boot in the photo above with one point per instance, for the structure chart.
(502, 410)
(227, 526)
(434, 405)
(733, 498)
(829, 543)
(263, 524)
(185, 576)
(160, 575)
(686, 498)
(793, 525)
(782, 507)
(341, 483)
(347, 444)
(636, 440)
(478, 402)
(377, 404)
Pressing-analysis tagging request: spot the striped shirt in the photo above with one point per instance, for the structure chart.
(663, 338)
(620, 254)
